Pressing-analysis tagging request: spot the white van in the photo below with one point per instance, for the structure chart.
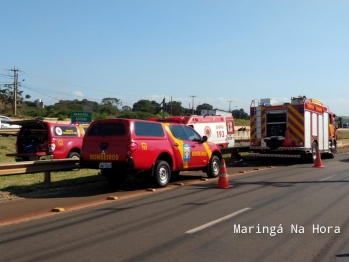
(5, 122)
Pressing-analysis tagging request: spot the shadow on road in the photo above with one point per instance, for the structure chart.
(97, 185)
(84, 187)
(343, 255)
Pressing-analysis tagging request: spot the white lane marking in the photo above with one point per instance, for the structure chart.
(327, 178)
(217, 221)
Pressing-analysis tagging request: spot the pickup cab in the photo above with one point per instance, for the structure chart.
(121, 147)
(43, 140)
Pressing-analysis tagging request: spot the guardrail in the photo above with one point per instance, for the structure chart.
(9, 131)
(46, 166)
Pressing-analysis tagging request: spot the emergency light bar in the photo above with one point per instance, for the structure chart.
(176, 119)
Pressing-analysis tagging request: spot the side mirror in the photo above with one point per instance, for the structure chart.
(204, 138)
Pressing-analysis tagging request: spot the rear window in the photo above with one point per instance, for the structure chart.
(148, 129)
(107, 129)
(65, 131)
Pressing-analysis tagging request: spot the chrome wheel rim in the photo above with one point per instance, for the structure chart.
(215, 167)
(163, 175)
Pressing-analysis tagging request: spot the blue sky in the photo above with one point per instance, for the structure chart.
(217, 51)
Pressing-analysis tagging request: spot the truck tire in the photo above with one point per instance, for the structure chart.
(333, 148)
(162, 173)
(74, 155)
(213, 168)
(313, 154)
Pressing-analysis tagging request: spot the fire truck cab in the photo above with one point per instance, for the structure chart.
(218, 129)
(292, 130)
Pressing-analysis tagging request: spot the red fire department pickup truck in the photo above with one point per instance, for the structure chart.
(120, 147)
(42, 140)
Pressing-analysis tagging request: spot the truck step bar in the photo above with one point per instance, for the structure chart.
(279, 149)
(275, 155)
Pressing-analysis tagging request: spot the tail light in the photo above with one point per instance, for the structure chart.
(51, 146)
(132, 147)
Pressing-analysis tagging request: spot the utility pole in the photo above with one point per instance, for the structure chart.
(229, 104)
(15, 89)
(192, 103)
(171, 105)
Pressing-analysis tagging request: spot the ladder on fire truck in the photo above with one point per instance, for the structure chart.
(257, 111)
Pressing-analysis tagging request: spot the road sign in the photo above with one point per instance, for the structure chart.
(81, 117)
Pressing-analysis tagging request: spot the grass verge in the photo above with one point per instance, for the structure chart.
(32, 185)
(343, 133)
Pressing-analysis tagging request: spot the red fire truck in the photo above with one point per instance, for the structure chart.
(218, 129)
(292, 130)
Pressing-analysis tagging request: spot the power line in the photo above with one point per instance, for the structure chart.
(57, 98)
(32, 89)
(127, 96)
(84, 87)
(98, 89)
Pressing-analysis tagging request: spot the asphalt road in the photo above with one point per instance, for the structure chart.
(285, 213)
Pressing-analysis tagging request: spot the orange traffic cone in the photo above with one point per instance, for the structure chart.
(287, 141)
(223, 177)
(318, 162)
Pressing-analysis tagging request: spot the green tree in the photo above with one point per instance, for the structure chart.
(204, 106)
(137, 115)
(90, 106)
(111, 101)
(145, 106)
(109, 106)
(126, 108)
(7, 96)
(240, 114)
(176, 108)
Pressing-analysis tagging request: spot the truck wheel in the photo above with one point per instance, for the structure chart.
(313, 154)
(333, 148)
(162, 173)
(74, 155)
(213, 169)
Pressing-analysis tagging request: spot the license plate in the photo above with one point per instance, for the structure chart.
(104, 165)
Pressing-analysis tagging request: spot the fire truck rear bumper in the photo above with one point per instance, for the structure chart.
(275, 155)
(278, 149)
(130, 164)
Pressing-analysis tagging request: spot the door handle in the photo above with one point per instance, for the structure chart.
(193, 146)
(175, 144)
